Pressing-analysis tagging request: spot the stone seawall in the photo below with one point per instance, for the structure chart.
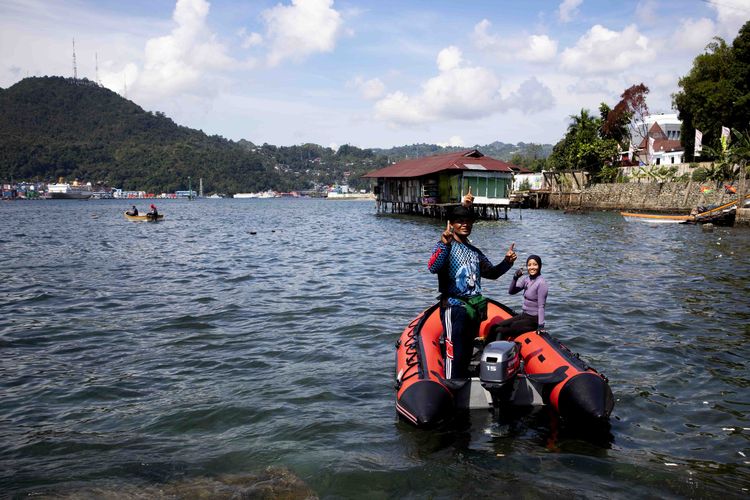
(674, 197)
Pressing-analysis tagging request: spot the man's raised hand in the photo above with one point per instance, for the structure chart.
(510, 255)
(447, 235)
(468, 199)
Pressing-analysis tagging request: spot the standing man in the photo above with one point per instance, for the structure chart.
(460, 267)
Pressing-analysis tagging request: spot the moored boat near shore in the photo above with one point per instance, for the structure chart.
(657, 218)
(721, 215)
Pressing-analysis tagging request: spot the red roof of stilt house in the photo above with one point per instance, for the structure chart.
(470, 159)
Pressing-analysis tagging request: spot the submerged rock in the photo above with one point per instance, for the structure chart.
(271, 483)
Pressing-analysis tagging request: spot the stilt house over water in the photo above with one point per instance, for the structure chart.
(434, 184)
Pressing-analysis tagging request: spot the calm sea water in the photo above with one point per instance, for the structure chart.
(247, 346)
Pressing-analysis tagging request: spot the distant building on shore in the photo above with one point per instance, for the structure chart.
(658, 141)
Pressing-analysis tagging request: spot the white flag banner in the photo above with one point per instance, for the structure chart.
(724, 138)
(698, 142)
(651, 142)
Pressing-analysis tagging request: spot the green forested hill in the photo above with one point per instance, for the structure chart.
(52, 127)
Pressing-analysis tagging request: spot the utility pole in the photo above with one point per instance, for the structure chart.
(190, 190)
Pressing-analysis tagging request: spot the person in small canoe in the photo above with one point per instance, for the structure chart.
(535, 290)
(460, 266)
(153, 213)
(132, 211)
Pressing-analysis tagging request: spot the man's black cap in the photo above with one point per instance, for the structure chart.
(461, 213)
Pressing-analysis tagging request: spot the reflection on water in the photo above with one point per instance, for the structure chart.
(238, 335)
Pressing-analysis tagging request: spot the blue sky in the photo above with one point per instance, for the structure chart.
(368, 73)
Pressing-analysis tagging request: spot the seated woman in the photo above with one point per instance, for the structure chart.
(153, 213)
(535, 290)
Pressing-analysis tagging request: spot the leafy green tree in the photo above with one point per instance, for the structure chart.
(582, 148)
(716, 92)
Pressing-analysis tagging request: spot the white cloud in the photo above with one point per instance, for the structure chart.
(531, 96)
(482, 39)
(251, 40)
(646, 14)
(459, 93)
(694, 35)
(184, 60)
(535, 48)
(604, 51)
(541, 48)
(594, 86)
(730, 16)
(301, 29)
(449, 58)
(120, 80)
(568, 9)
(454, 141)
(370, 89)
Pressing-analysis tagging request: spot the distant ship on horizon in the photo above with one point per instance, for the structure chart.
(66, 191)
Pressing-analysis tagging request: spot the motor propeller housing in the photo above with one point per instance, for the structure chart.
(500, 363)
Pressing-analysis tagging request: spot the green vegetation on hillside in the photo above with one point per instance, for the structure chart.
(55, 127)
(530, 155)
(52, 127)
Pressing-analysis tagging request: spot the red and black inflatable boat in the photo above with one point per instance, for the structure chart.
(549, 374)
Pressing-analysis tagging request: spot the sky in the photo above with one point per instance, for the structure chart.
(369, 73)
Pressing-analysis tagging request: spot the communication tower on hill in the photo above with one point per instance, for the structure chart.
(75, 68)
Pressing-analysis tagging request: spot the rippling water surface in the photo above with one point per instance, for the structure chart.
(251, 342)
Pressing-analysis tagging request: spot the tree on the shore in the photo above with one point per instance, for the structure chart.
(715, 93)
(583, 148)
(633, 108)
(531, 157)
(594, 143)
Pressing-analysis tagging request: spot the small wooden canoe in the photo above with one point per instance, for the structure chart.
(143, 218)
(657, 218)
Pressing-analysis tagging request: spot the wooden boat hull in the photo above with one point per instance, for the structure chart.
(657, 218)
(143, 218)
(722, 215)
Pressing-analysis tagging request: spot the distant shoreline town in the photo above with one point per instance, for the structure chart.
(83, 191)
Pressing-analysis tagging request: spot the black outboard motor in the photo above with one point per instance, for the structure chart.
(501, 362)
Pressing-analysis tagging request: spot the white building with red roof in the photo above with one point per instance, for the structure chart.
(664, 130)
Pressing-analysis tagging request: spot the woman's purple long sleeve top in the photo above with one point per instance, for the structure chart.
(534, 295)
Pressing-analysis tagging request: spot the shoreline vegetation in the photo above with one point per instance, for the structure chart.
(75, 129)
